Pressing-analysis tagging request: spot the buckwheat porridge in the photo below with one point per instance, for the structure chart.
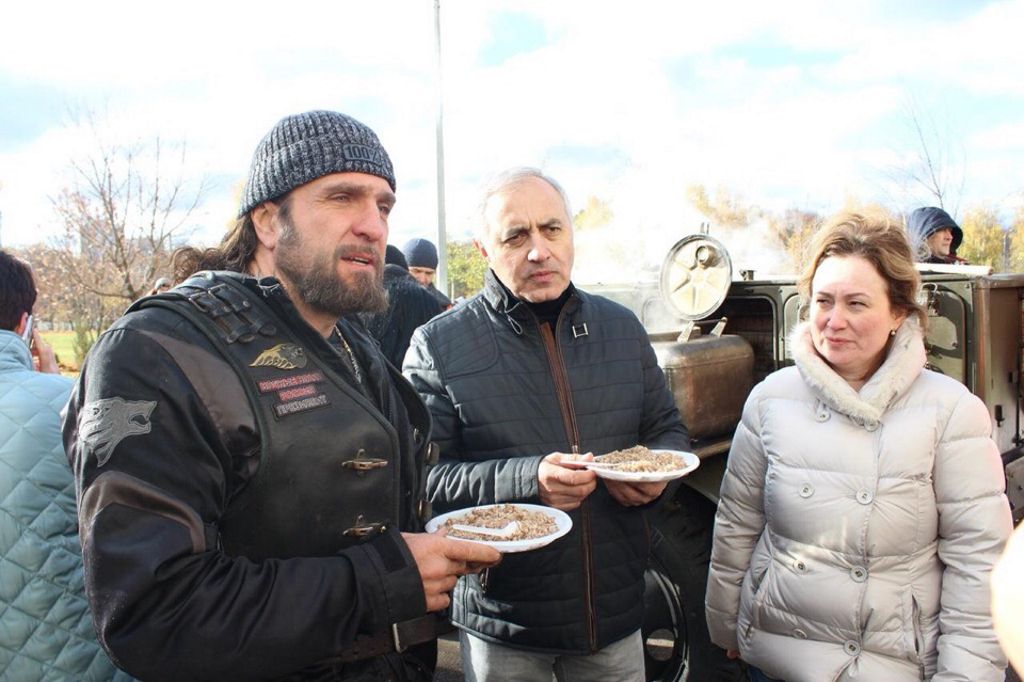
(640, 459)
(532, 524)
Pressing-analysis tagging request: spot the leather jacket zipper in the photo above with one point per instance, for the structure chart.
(564, 392)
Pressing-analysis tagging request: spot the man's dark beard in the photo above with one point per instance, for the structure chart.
(316, 281)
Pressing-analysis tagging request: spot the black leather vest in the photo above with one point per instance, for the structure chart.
(333, 470)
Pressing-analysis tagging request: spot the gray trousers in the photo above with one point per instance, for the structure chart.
(482, 661)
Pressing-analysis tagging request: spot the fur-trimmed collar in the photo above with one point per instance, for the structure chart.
(901, 367)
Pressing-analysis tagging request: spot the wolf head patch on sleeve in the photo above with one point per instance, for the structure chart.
(105, 423)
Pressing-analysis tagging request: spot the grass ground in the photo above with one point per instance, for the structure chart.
(63, 344)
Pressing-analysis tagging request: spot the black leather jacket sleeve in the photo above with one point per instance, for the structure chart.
(153, 479)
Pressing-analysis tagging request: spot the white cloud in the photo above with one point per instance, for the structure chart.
(1007, 137)
(628, 102)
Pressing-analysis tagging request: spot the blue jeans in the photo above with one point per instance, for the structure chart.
(756, 675)
(483, 661)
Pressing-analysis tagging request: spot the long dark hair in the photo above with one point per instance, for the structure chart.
(234, 253)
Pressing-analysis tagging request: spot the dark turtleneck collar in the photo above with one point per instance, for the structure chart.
(548, 311)
(545, 311)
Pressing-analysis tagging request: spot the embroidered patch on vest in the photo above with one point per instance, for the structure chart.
(282, 356)
(294, 406)
(293, 381)
(105, 423)
(297, 392)
(300, 392)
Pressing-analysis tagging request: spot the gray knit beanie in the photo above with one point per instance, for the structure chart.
(304, 147)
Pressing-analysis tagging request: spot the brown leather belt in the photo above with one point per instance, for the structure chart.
(397, 638)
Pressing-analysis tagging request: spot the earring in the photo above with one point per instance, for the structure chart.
(892, 332)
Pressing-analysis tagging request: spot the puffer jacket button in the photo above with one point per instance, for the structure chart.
(871, 426)
(822, 415)
(800, 566)
(865, 496)
(799, 634)
(851, 647)
(807, 490)
(858, 574)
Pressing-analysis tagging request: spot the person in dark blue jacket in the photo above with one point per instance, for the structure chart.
(421, 259)
(935, 236)
(409, 306)
(523, 380)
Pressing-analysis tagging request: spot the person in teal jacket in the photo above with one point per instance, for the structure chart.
(46, 629)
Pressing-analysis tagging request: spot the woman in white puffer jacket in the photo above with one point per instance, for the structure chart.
(863, 507)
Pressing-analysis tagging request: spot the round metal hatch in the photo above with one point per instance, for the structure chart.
(695, 276)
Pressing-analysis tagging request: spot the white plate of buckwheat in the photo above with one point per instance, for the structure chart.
(640, 465)
(508, 527)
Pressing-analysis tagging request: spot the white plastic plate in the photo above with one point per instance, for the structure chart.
(692, 462)
(561, 519)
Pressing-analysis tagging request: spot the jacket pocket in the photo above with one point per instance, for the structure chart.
(759, 582)
(915, 613)
(913, 630)
(759, 586)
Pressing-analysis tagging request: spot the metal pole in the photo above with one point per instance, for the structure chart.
(442, 240)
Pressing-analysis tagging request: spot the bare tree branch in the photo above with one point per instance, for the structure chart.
(122, 210)
(934, 169)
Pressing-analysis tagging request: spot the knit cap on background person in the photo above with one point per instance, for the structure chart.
(304, 147)
(420, 253)
(394, 256)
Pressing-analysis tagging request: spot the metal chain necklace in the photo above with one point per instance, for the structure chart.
(351, 356)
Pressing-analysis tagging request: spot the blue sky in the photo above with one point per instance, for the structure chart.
(790, 104)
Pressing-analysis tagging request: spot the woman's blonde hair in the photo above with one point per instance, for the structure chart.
(880, 241)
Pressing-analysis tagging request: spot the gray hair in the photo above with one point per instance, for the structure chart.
(501, 182)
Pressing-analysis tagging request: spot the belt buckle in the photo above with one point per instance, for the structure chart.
(396, 638)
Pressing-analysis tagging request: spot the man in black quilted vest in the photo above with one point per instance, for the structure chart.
(525, 378)
(250, 470)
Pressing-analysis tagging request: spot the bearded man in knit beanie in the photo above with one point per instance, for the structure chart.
(250, 469)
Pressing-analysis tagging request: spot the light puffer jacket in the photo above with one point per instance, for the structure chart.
(856, 532)
(46, 629)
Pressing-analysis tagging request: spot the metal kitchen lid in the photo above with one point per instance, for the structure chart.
(695, 276)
